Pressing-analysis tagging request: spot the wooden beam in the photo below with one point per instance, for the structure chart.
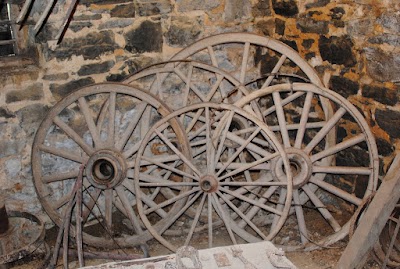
(373, 220)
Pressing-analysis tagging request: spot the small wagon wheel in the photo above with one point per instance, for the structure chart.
(99, 126)
(294, 113)
(182, 83)
(217, 180)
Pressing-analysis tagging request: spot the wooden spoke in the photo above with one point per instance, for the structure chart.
(325, 130)
(90, 122)
(140, 108)
(337, 191)
(60, 177)
(338, 147)
(73, 135)
(111, 119)
(63, 153)
(303, 121)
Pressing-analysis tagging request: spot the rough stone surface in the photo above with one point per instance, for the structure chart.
(381, 65)
(53, 77)
(76, 27)
(99, 68)
(60, 91)
(150, 8)
(90, 46)
(4, 113)
(32, 92)
(393, 40)
(318, 3)
(30, 118)
(123, 11)
(389, 121)
(280, 27)
(390, 20)
(10, 147)
(309, 25)
(286, 8)
(360, 27)
(337, 13)
(190, 5)
(13, 167)
(380, 94)
(343, 86)
(266, 27)
(261, 9)
(146, 38)
(236, 9)
(84, 17)
(307, 43)
(116, 77)
(337, 50)
(183, 31)
(121, 23)
(384, 147)
(290, 43)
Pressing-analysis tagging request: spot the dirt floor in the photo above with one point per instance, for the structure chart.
(318, 259)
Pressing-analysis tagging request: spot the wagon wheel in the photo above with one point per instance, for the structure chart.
(181, 83)
(387, 248)
(258, 62)
(294, 112)
(217, 180)
(101, 127)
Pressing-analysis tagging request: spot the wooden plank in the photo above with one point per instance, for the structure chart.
(374, 220)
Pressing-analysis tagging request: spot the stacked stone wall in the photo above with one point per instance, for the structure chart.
(353, 45)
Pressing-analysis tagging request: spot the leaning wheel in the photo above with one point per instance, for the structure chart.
(387, 248)
(333, 190)
(100, 127)
(226, 175)
(258, 62)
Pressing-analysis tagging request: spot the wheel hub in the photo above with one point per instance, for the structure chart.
(106, 169)
(209, 183)
(300, 166)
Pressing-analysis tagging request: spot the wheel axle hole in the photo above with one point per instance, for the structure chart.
(206, 185)
(103, 170)
(295, 168)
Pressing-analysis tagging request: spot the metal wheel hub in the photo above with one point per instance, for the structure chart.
(209, 183)
(300, 165)
(106, 169)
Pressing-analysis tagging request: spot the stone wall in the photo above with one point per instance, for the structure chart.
(354, 46)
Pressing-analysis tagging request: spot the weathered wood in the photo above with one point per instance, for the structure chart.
(374, 220)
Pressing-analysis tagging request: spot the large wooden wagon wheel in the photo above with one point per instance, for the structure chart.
(258, 62)
(226, 174)
(101, 127)
(294, 112)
